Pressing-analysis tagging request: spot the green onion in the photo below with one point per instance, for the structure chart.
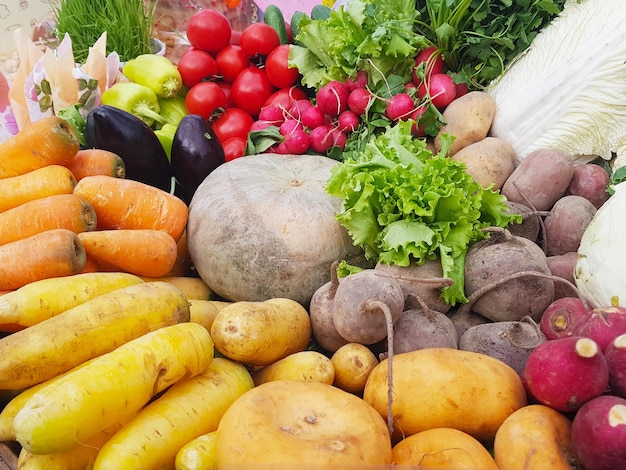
(128, 24)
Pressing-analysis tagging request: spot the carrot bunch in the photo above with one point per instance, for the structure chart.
(66, 210)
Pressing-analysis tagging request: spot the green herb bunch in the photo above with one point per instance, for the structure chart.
(128, 24)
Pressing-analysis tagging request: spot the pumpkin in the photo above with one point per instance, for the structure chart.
(290, 423)
(264, 227)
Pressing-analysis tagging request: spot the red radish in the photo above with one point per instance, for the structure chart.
(615, 354)
(560, 318)
(332, 98)
(313, 117)
(418, 130)
(348, 120)
(432, 60)
(565, 373)
(298, 107)
(297, 141)
(263, 124)
(272, 113)
(440, 88)
(461, 89)
(599, 434)
(289, 126)
(360, 81)
(339, 138)
(603, 325)
(321, 139)
(400, 107)
(359, 100)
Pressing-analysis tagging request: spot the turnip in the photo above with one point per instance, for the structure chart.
(399, 107)
(615, 354)
(599, 434)
(509, 341)
(603, 325)
(359, 100)
(439, 88)
(565, 373)
(561, 317)
(332, 98)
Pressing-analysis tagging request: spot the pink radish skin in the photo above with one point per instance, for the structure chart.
(603, 325)
(262, 124)
(418, 129)
(561, 317)
(441, 89)
(297, 141)
(599, 434)
(298, 107)
(312, 117)
(272, 113)
(348, 121)
(359, 100)
(615, 354)
(360, 81)
(332, 98)
(565, 373)
(433, 60)
(400, 107)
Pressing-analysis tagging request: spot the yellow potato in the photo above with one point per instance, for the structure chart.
(205, 311)
(302, 365)
(535, 436)
(443, 447)
(188, 409)
(490, 161)
(446, 388)
(353, 363)
(260, 333)
(468, 118)
(110, 387)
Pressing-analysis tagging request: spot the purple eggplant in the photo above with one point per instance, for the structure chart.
(196, 152)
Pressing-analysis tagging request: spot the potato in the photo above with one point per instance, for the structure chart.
(535, 436)
(443, 447)
(353, 363)
(566, 224)
(260, 333)
(445, 387)
(490, 161)
(292, 422)
(468, 118)
(205, 311)
(540, 179)
(302, 365)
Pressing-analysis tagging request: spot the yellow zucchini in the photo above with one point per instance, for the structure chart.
(99, 325)
(46, 298)
(111, 387)
(303, 365)
(205, 311)
(187, 410)
(198, 454)
(260, 333)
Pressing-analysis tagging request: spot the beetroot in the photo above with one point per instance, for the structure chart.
(599, 434)
(615, 354)
(565, 373)
(560, 318)
(603, 325)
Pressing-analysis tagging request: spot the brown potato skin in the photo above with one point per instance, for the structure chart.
(540, 179)
(491, 161)
(535, 436)
(468, 118)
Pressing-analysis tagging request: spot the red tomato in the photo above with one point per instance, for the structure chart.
(285, 97)
(196, 65)
(204, 99)
(259, 39)
(234, 147)
(209, 30)
(251, 89)
(233, 122)
(278, 70)
(227, 89)
(230, 61)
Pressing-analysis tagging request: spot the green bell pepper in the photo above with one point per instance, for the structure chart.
(135, 99)
(156, 72)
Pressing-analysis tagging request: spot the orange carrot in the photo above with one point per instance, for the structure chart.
(144, 252)
(68, 211)
(53, 253)
(91, 162)
(42, 182)
(48, 141)
(127, 204)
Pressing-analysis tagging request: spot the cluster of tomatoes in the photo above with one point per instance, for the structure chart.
(231, 76)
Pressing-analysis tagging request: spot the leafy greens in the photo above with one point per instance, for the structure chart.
(402, 203)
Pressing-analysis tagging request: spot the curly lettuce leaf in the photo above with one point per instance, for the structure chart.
(401, 203)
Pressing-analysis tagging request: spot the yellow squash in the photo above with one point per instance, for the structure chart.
(97, 326)
(111, 387)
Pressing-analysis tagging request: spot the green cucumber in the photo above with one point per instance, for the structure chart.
(273, 16)
(295, 21)
(320, 12)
